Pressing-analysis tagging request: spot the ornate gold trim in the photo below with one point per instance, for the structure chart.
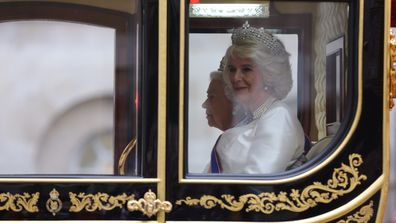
(337, 213)
(54, 204)
(124, 155)
(99, 201)
(17, 202)
(362, 216)
(343, 181)
(149, 205)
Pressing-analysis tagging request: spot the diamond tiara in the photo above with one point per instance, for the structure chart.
(260, 36)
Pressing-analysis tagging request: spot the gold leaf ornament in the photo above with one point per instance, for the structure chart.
(99, 201)
(344, 180)
(149, 205)
(54, 204)
(362, 216)
(18, 202)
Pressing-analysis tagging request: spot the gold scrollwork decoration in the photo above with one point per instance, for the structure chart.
(149, 205)
(99, 201)
(54, 204)
(362, 216)
(343, 181)
(18, 202)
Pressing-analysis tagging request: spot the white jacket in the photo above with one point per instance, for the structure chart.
(273, 140)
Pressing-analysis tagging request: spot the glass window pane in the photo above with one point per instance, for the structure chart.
(54, 77)
(237, 119)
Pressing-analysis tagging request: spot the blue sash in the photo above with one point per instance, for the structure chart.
(215, 166)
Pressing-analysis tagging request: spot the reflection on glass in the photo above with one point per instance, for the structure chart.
(57, 84)
(96, 152)
(67, 146)
(293, 146)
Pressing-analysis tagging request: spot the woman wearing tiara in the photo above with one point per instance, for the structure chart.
(258, 71)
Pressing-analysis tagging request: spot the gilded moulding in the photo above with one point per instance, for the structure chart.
(17, 202)
(99, 201)
(344, 180)
(124, 155)
(362, 216)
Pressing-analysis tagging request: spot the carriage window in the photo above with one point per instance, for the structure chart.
(41, 131)
(68, 91)
(267, 92)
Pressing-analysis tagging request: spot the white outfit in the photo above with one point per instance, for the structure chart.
(268, 144)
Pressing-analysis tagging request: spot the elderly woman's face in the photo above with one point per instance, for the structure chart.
(218, 106)
(246, 80)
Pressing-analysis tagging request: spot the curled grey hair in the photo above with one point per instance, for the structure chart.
(274, 66)
(218, 75)
(228, 92)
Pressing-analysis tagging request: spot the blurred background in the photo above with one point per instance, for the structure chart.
(46, 128)
(390, 214)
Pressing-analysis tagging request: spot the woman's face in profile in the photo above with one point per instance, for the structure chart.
(245, 78)
(218, 106)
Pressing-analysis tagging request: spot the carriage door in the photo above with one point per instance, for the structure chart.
(105, 116)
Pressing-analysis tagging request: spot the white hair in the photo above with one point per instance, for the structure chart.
(228, 92)
(218, 75)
